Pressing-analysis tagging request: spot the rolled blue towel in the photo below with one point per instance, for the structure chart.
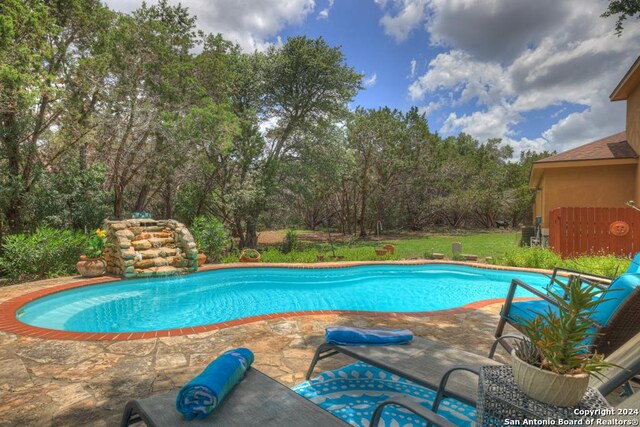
(200, 396)
(346, 335)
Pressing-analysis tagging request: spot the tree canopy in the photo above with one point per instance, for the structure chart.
(106, 113)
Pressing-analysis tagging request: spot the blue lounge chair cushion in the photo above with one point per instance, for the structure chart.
(634, 267)
(614, 297)
(346, 335)
(528, 310)
(200, 396)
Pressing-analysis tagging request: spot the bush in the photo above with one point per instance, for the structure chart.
(536, 257)
(290, 242)
(211, 237)
(48, 252)
(604, 265)
(531, 257)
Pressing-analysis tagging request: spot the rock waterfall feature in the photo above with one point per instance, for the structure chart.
(147, 248)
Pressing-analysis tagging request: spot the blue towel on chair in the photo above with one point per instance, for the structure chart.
(346, 335)
(200, 396)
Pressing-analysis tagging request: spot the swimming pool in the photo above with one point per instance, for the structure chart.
(233, 293)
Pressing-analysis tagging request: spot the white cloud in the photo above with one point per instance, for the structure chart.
(493, 29)
(413, 64)
(370, 80)
(482, 125)
(324, 13)
(457, 71)
(430, 107)
(248, 22)
(409, 16)
(601, 119)
(511, 57)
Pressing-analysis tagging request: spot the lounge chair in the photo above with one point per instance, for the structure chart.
(616, 319)
(626, 358)
(421, 361)
(623, 412)
(429, 364)
(261, 401)
(257, 401)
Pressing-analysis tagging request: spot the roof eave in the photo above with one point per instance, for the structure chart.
(585, 162)
(628, 83)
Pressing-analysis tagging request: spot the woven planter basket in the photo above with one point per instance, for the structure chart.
(548, 387)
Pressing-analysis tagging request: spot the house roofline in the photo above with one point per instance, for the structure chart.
(630, 80)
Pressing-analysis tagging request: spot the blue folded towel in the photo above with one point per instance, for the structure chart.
(346, 335)
(204, 393)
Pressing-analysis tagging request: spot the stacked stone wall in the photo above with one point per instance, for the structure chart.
(147, 247)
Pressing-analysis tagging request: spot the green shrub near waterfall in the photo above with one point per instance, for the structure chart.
(48, 252)
(211, 236)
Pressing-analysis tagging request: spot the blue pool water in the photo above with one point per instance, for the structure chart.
(228, 294)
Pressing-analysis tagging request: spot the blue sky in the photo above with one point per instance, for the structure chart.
(537, 74)
(354, 25)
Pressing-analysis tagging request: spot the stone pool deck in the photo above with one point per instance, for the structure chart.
(47, 382)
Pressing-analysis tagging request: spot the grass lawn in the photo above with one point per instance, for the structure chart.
(502, 246)
(490, 244)
(484, 244)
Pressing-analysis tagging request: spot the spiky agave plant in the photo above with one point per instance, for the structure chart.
(557, 340)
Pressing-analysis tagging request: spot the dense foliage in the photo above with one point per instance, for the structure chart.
(536, 257)
(211, 236)
(47, 252)
(103, 114)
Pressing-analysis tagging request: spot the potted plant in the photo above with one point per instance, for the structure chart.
(552, 364)
(390, 248)
(381, 251)
(250, 255)
(202, 258)
(91, 263)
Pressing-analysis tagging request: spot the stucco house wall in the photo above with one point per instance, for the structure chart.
(633, 132)
(591, 186)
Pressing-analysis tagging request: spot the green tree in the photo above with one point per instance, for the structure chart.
(150, 65)
(624, 9)
(43, 89)
(374, 135)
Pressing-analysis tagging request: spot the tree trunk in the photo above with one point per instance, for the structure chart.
(168, 199)
(117, 201)
(11, 145)
(240, 233)
(141, 201)
(251, 237)
(363, 208)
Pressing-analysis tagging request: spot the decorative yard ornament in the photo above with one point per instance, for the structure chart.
(619, 228)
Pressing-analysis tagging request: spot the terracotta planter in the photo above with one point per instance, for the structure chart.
(548, 387)
(381, 252)
(91, 267)
(202, 258)
(245, 258)
(390, 248)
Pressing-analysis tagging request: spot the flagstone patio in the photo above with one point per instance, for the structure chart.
(64, 382)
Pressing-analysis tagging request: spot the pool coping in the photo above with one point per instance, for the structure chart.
(10, 307)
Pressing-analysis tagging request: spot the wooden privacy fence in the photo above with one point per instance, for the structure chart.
(579, 231)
